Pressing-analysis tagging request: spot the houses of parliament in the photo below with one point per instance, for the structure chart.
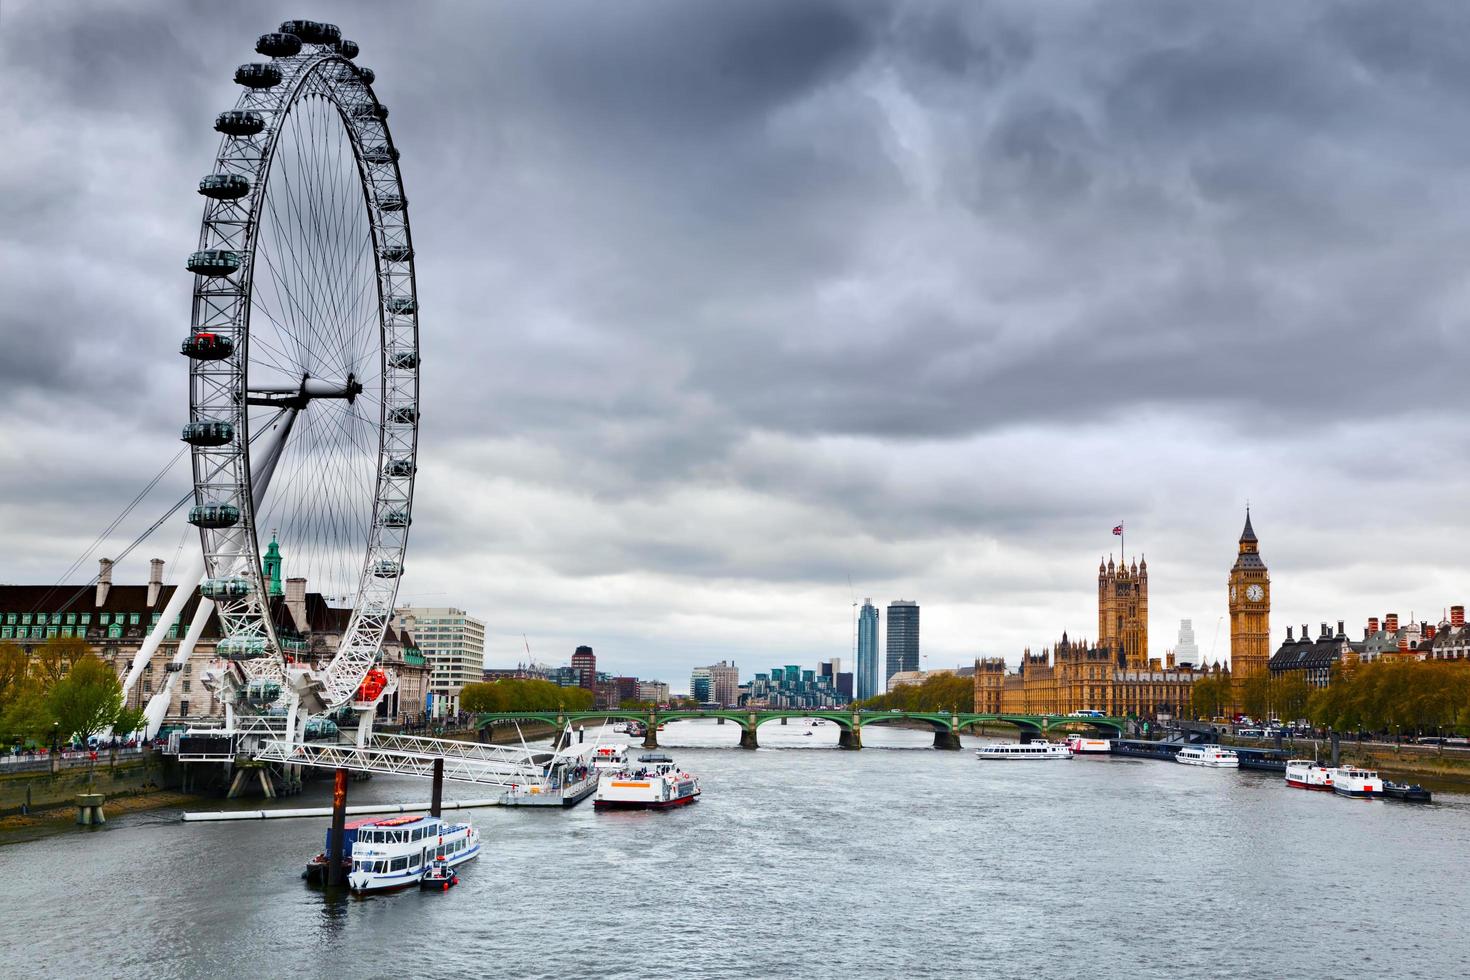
(1115, 674)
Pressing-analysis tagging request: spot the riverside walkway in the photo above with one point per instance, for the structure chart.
(947, 725)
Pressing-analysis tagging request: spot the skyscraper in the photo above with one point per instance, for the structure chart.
(903, 638)
(584, 662)
(867, 651)
(1186, 651)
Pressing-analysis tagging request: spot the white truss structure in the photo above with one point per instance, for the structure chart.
(511, 768)
(221, 391)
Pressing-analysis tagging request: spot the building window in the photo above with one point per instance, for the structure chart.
(66, 631)
(7, 632)
(10, 618)
(147, 686)
(86, 618)
(52, 630)
(114, 632)
(133, 619)
(154, 620)
(103, 618)
(186, 669)
(173, 632)
(186, 687)
(25, 618)
(183, 707)
(71, 617)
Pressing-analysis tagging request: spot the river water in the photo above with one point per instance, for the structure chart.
(800, 861)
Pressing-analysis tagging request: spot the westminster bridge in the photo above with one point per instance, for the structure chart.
(947, 725)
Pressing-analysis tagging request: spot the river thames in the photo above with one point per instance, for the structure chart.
(800, 861)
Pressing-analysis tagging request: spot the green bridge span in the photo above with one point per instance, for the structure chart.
(947, 725)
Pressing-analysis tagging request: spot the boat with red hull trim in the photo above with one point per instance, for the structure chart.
(654, 783)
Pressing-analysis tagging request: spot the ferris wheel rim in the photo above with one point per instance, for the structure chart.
(325, 70)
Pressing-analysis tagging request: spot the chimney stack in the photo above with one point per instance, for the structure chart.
(1372, 625)
(104, 579)
(1288, 634)
(1457, 616)
(296, 601)
(1391, 622)
(1340, 631)
(1306, 634)
(155, 581)
(1325, 634)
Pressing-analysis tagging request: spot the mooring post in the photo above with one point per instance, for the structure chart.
(1336, 751)
(339, 827)
(437, 798)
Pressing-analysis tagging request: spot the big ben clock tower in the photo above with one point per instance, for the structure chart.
(1250, 611)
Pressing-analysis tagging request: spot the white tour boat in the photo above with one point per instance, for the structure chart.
(1308, 774)
(1208, 756)
(1082, 745)
(1352, 781)
(654, 783)
(1028, 750)
(566, 777)
(394, 852)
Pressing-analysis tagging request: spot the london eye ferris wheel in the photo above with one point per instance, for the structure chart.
(303, 364)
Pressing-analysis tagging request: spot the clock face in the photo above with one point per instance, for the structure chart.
(1232, 593)
(1255, 593)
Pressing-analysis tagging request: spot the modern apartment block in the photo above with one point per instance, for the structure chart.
(903, 637)
(453, 645)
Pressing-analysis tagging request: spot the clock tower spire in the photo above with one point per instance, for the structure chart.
(1250, 612)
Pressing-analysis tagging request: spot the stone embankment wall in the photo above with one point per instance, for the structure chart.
(36, 790)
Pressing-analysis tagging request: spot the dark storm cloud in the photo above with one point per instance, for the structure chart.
(722, 301)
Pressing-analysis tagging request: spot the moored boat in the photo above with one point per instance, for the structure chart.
(1308, 774)
(1023, 751)
(439, 877)
(1082, 745)
(1208, 757)
(1407, 792)
(394, 852)
(655, 783)
(1355, 782)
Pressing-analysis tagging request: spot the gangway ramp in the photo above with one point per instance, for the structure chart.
(465, 762)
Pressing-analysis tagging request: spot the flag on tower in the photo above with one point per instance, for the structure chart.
(1118, 530)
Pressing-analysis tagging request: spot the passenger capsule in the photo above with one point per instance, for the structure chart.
(278, 45)
(292, 645)
(402, 305)
(224, 187)
(399, 467)
(214, 262)
(367, 75)
(313, 31)
(380, 154)
(396, 518)
(406, 414)
(386, 569)
(172, 668)
(233, 587)
(371, 110)
(347, 49)
(208, 432)
(214, 516)
(241, 647)
(258, 74)
(404, 360)
(263, 692)
(396, 253)
(239, 122)
(206, 346)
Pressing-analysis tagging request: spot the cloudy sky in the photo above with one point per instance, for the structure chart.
(723, 303)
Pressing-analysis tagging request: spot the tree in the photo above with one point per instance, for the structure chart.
(1255, 695)
(1210, 695)
(1290, 696)
(26, 717)
(942, 692)
(517, 694)
(128, 721)
(86, 700)
(53, 660)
